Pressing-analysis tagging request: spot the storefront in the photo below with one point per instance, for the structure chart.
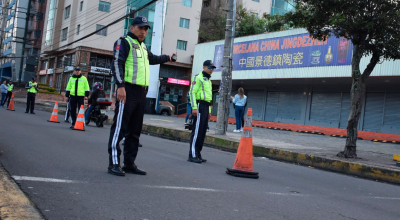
(50, 74)
(42, 74)
(174, 91)
(290, 78)
(102, 75)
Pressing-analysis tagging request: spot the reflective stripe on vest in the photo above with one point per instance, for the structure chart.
(137, 68)
(32, 89)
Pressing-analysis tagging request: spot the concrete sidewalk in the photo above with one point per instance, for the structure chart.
(375, 159)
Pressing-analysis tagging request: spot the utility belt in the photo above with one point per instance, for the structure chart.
(204, 103)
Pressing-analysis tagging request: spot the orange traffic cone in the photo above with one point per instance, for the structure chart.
(11, 106)
(80, 120)
(243, 166)
(54, 114)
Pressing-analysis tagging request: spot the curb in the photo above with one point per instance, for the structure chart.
(14, 204)
(337, 165)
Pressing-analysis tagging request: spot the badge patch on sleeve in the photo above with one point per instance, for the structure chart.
(194, 82)
(117, 47)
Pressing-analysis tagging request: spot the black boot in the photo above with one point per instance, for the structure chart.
(116, 170)
(195, 160)
(133, 170)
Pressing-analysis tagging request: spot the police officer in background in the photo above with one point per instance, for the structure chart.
(33, 88)
(200, 99)
(9, 93)
(131, 70)
(77, 90)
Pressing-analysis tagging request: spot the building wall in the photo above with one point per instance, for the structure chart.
(206, 51)
(173, 33)
(88, 18)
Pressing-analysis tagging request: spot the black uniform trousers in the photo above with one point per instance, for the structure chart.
(128, 121)
(200, 123)
(7, 99)
(74, 102)
(30, 101)
(68, 111)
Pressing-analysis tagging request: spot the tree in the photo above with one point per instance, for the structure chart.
(373, 26)
(213, 21)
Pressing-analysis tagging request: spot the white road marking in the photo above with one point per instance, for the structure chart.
(284, 194)
(40, 179)
(184, 188)
(388, 198)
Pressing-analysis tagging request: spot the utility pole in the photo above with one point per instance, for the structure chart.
(24, 42)
(226, 77)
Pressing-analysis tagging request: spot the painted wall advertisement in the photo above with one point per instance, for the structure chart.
(287, 52)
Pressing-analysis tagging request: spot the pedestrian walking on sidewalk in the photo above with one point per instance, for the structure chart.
(33, 88)
(4, 88)
(131, 70)
(240, 101)
(77, 90)
(10, 90)
(200, 99)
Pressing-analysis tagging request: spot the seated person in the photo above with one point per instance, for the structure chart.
(97, 93)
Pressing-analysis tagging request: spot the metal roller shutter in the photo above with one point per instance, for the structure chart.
(373, 118)
(272, 106)
(345, 111)
(325, 107)
(289, 106)
(392, 110)
(255, 100)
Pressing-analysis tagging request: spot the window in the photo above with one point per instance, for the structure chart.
(187, 3)
(104, 6)
(59, 61)
(81, 6)
(184, 23)
(67, 12)
(64, 34)
(256, 0)
(78, 28)
(102, 32)
(181, 45)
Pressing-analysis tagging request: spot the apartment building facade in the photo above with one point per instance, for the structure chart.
(20, 40)
(66, 22)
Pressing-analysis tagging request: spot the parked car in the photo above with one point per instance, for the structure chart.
(164, 109)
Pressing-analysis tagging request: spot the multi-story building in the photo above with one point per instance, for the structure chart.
(21, 37)
(66, 22)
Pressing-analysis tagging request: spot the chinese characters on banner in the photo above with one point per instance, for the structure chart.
(287, 52)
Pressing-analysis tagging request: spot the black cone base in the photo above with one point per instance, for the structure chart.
(240, 173)
(53, 121)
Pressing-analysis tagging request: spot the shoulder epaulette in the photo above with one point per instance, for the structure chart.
(122, 37)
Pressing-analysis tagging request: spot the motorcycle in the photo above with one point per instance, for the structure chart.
(98, 114)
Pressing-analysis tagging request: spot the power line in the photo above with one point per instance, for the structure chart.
(73, 30)
(112, 23)
(88, 12)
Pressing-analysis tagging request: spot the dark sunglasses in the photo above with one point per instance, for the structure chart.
(211, 68)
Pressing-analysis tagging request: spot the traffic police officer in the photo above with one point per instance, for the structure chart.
(200, 99)
(77, 90)
(131, 70)
(9, 93)
(33, 88)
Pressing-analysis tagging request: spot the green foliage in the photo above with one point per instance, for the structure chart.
(48, 92)
(373, 26)
(250, 24)
(213, 27)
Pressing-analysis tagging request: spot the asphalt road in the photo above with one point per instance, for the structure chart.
(32, 148)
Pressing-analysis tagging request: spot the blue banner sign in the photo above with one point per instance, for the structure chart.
(287, 52)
